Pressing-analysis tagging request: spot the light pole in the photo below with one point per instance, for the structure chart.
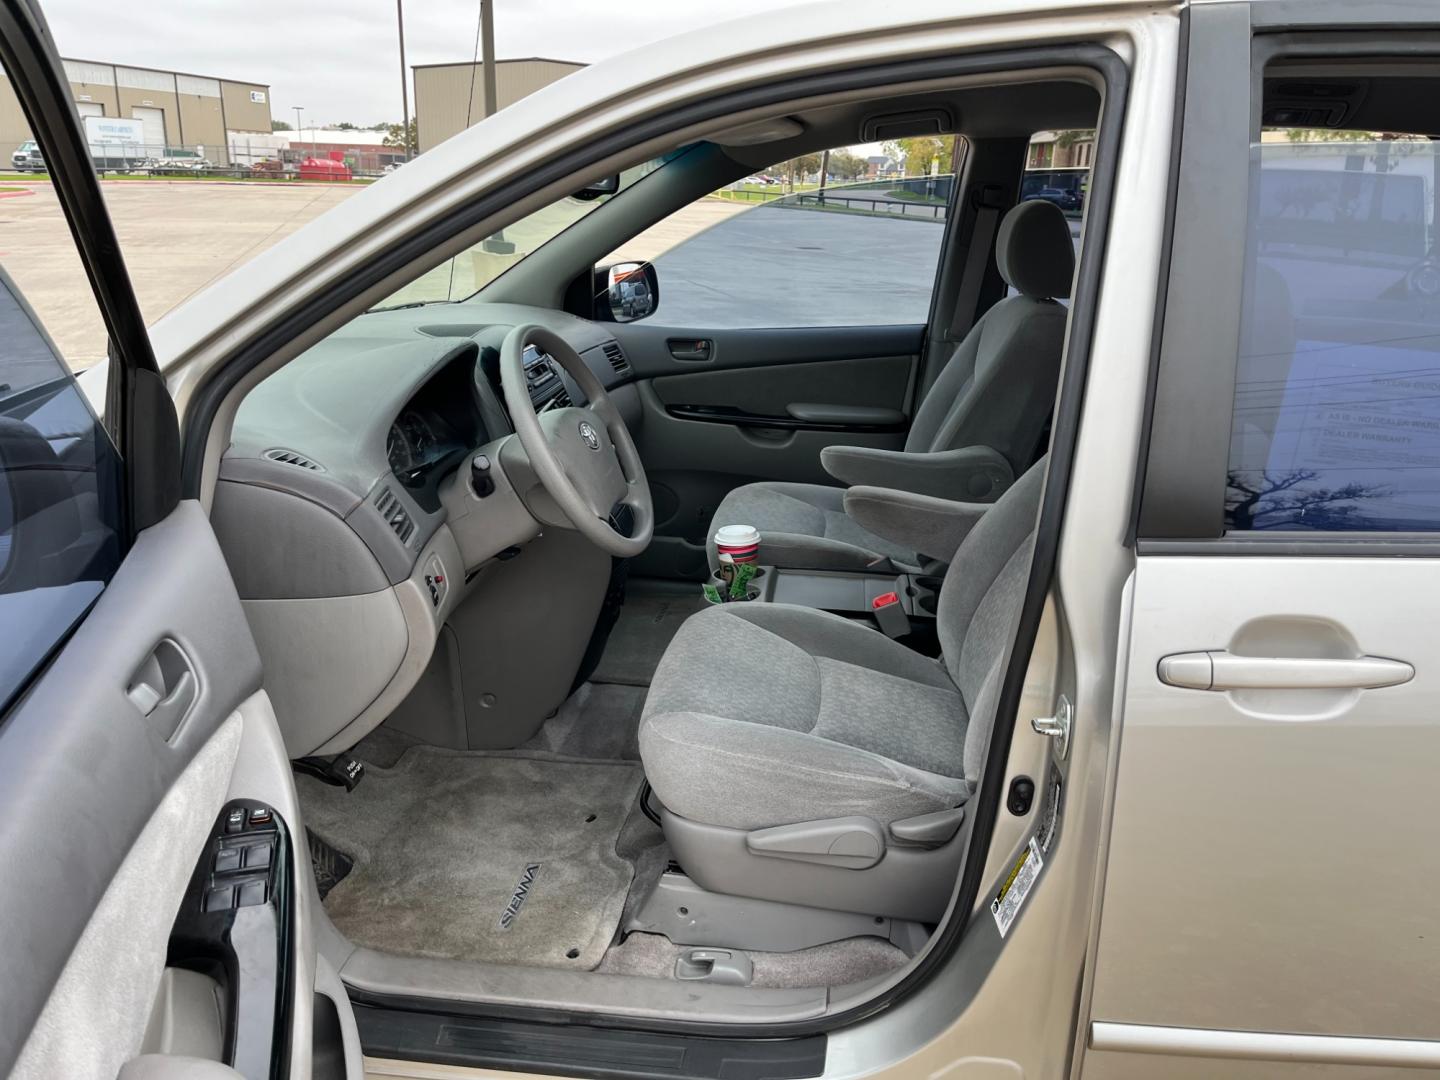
(487, 52)
(404, 81)
(298, 110)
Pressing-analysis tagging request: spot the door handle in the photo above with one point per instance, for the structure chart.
(164, 687)
(1219, 670)
(691, 349)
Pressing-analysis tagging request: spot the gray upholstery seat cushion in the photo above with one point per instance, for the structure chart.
(805, 525)
(768, 714)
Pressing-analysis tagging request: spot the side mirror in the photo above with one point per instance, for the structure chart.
(626, 291)
(606, 185)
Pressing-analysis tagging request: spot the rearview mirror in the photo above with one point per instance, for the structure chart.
(626, 291)
(606, 185)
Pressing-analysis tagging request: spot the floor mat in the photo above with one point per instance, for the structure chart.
(647, 623)
(483, 857)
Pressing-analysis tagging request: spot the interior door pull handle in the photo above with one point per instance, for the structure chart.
(164, 688)
(1218, 670)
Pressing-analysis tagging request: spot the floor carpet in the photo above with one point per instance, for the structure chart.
(648, 621)
(469, 856)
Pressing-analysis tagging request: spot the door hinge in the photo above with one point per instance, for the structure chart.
(1056, 727)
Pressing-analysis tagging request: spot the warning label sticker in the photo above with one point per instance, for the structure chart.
(1011, 898)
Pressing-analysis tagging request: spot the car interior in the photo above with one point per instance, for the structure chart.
(537, 765)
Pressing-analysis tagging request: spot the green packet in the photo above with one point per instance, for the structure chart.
(712, 594)
(743, 573)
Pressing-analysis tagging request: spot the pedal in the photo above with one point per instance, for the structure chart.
(342, 770)
(714, 966)
(329, 863)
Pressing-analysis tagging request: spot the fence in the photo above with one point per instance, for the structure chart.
(924, 198)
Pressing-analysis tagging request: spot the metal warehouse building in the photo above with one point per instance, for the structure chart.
(446, 95)
(178, 111)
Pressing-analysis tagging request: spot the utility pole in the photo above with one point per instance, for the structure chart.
(487, 52)
(298, 110)
(824, 168)
(404, 80)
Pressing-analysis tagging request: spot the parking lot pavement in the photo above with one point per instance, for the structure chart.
(176, 237)
(179, 237)
(781, 266)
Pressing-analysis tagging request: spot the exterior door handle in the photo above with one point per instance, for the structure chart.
(1219, 670)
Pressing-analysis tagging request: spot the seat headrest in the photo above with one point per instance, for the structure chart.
(1034, 250)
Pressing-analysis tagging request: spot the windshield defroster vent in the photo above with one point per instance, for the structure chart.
(395, 514)
(616, 356)
(290, 457)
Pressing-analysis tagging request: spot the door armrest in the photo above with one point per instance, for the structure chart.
(969, 474)
(924, 524)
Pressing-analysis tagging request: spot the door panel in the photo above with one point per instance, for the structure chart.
(749, 377)
(108, 816)
(1271, 859)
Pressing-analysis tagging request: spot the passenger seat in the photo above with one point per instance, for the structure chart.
(979, 427)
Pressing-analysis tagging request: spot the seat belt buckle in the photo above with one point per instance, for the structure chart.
(890, 615)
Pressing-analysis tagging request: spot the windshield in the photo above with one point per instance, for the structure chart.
(474, 268)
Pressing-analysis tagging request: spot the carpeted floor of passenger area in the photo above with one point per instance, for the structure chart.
(648, 621)
(501, 858)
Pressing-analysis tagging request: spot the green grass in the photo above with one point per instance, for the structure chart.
(7, 188)
(906, 195)
(24, 176)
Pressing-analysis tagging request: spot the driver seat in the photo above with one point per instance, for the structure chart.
(806, 758)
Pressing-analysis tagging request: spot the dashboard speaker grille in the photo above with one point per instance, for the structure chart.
(290, 457)
(616, 356)
(395, 514)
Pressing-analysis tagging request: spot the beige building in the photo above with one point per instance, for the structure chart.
(178, 111)
(449, 95)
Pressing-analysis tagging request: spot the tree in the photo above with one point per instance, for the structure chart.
(395, 136)
(918, 152)
(346, 126)
(1278, 501)
(846, 166)
(280, 125)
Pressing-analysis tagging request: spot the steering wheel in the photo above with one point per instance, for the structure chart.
(584, 457)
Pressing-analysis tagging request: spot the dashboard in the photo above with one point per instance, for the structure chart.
(346, 488)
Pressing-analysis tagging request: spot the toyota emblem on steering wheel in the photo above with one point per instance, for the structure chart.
(588, 433)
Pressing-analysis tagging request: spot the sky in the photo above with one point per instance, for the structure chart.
(339, 59)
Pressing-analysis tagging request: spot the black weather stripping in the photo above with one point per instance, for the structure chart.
(573, 1050)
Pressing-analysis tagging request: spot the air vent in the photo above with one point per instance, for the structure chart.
(395, 514)
(290, 457)
(616, 356)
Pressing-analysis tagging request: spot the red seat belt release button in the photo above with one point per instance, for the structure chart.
(890, 616)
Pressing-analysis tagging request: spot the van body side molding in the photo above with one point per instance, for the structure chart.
(1264, 1045)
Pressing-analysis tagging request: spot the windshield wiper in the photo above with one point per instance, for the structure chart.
(411, 304)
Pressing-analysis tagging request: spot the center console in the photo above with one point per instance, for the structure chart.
(902, 605)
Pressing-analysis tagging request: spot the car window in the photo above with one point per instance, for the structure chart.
(778, 248)
(60, 492)
(465, 274)
(1337, 391)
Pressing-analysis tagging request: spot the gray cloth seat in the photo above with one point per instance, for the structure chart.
(997, 390)
(762, 715)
